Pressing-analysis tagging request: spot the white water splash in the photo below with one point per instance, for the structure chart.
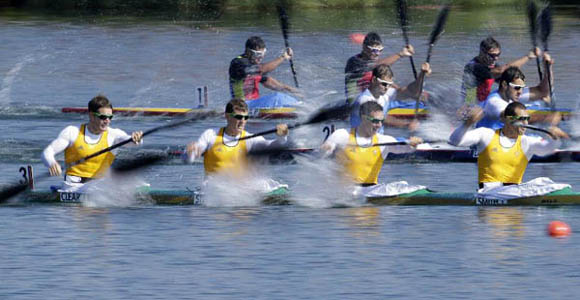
(8, 81)
(112, 191)
(319, 186)
(234, 191)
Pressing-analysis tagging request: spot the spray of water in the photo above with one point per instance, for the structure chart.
(233, 191)
(9, 78)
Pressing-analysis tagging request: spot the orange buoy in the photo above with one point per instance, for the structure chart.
(357, 38)
(559, 229)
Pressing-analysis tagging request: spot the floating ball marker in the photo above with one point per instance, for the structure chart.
(357, 38)
(559, 229)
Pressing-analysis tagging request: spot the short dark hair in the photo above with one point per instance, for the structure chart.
(510, 74)
(489, 43)
(510, 110)
(382, 70)
(239, 104)
(372, 38)
(368, 107)
(255, 42)
(98, 102)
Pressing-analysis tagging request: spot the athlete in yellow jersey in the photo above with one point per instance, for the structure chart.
(221, 149)
(504, 153)
(78, 142)
(354, 148)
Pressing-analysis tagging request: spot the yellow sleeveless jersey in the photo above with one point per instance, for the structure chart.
(499, 164)
(363, 164)
(221, 157)
(95, 167)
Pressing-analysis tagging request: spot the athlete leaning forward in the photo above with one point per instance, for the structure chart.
(357, 151)
(78, 142)
(225, 150)
(504, 153)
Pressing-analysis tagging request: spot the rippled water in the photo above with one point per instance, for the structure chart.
(301, 251)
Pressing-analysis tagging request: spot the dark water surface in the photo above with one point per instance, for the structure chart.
(241, 251)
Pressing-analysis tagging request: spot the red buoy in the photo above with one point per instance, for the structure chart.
(559, 229)
(357, 38)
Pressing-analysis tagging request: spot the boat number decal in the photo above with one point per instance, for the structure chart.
(474, 152)
(490, 202)
(328, 130)
(70, 197)
(24, 175)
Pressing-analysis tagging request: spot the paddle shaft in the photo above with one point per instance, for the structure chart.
(284, 25)
(539, 129)
(152, 130)
(435, 33)
(402, 4)
(532, 18)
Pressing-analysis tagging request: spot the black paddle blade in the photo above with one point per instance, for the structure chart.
(139, 162)
(546, 29)
(532, 19)
(440, 25)
(334, 112)
(283, 18)
(12, 191)
(403, 20)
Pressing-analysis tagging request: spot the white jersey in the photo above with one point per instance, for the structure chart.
(68, 136)
(366, 96)
(494, 106)
(340, 139)
(481, 137)
(208, 137)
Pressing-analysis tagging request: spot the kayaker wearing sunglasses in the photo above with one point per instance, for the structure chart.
(81, 141)
(512, 87)
(358, 70)
(482, 71)
(504, 153)
(221, 149)
(247, 71)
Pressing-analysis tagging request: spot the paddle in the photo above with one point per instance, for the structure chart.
(435, 33)
(16, 189)
(402, 5)
(546, 29)
(284, 24)
(532, 18)
(325, 114)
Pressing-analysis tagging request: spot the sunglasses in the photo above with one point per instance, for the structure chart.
(258, 53)
(102, 116)
(517, 87)
(494, 55)
(384, 83)
(519, 118)
(376, 50)
(240, 117)
(373, 120)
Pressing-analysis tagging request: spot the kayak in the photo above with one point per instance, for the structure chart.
(278, 196)
(426, 197)
(272, 106)
(283, 106)
(281, 196)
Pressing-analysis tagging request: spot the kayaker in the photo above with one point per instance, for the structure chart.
(512, 87)
(358, 70)
(353, 148)
(78, 142)
(481, 72)
(384, 91)
(504, 153)
(221, 150)
(247, 71)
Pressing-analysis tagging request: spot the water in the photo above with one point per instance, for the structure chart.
(300, 251)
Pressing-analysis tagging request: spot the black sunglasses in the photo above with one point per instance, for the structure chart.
(102, 116)
(240, 117)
